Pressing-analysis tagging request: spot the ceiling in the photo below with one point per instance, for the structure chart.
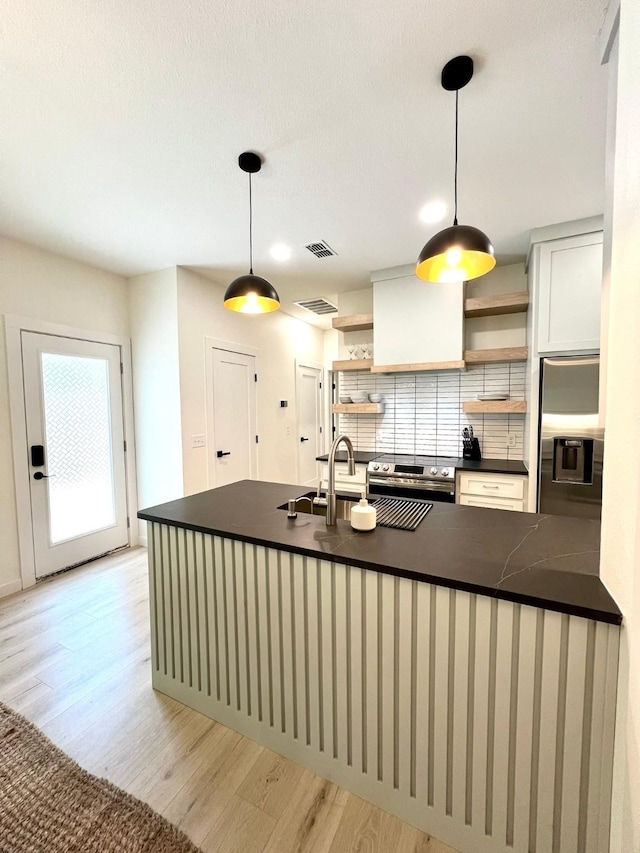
(127, 120)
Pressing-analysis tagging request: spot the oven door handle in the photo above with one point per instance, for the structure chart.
(421, 485)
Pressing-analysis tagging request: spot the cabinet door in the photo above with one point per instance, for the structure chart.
(495, 503)
(343, 480)
(569, 288)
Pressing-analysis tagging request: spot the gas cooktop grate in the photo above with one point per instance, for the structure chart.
(400, 513)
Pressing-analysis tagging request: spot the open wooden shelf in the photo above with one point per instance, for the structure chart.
(491, 306)
(358, 408)
(492, 407)
(496, 356)
(414, 368)
(353, 364)
(353, 323)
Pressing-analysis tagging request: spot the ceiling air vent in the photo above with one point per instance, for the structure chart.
(317, 306)
(320, 249)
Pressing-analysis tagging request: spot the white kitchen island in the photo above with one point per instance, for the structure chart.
(484, 720)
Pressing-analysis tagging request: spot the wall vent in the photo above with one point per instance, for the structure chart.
(320, 249)
(318, 306)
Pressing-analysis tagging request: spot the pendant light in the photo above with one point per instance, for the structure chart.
(251, 294)
(461, 252)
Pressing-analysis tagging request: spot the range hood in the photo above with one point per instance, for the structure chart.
(416, 323)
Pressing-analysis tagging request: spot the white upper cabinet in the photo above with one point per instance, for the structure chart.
(567, 285)
(416, 323)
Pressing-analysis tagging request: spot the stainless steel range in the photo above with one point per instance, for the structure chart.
(429, 478)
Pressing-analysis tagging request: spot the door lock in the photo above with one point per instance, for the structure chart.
(222, 453)
(37, 455)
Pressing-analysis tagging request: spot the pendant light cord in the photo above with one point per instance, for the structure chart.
(455, 179)
(250, 229)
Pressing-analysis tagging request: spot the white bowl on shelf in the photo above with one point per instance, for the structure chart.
(375, 398)
(359, 397)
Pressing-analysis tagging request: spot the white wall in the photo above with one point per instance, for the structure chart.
(280, 340)
(352, 302)
(44, 286)
(424, 411)
(507, 330)
(153, 305)
(620, 558)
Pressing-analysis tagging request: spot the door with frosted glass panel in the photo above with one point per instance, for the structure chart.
(73, 402)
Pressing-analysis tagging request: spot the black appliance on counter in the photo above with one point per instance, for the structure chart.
(428, 478)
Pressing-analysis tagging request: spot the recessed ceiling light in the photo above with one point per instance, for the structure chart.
(280, 252)
(432, 212)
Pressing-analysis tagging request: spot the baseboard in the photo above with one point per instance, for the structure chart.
(10, 588)
(142, 540)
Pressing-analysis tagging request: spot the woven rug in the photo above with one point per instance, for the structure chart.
(49, 804)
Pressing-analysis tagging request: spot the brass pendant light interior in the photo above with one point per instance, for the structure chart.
(249, 293)
(460, 252)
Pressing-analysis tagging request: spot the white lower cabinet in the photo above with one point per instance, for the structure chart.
(494, 491)
(492, 503)
(345, 483)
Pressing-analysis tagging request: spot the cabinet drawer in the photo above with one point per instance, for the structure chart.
(492, 485)
(492, 503)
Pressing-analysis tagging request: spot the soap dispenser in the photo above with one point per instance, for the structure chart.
(363, 515)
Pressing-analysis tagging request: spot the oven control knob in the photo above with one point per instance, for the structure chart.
(385, 467)
(445, 472)
(434, 471)
(375, 467)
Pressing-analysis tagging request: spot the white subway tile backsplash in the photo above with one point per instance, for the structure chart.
(423, 411)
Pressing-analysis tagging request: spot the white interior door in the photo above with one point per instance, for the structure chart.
(234, 417)
(309, 422)
(73, 405)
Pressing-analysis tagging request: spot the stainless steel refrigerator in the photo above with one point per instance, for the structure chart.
(571, 438)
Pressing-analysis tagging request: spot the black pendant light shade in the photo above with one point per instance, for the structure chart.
(251, 294)
(461, 252)
(458, 253)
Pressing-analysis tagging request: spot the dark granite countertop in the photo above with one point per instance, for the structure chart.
(361, 457)
(541, 560)
(493, 466)
(488, 466)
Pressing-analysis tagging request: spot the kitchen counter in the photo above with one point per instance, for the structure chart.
(493, 466)
(405, 667)
(544, 561)
(361, 457)
(489, 466)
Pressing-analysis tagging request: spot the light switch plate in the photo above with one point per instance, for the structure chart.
(198, 441)
(511, 439)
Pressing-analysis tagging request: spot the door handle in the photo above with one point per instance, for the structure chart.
(221, 453)
(40, 476)
(303, 439)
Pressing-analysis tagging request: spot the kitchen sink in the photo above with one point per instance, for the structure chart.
(306, 506)
(399, 513)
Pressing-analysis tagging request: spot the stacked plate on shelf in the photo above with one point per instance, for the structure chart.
(486, 397)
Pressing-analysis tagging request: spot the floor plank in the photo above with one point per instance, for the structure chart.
(271, 783)
(75, 660)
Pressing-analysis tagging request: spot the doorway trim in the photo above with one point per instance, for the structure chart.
(14, 326)
(241, 349)
(314, 365)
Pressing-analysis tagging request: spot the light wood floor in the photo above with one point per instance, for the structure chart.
(74, 659)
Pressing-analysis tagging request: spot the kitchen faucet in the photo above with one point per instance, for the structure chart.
(331, 484)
